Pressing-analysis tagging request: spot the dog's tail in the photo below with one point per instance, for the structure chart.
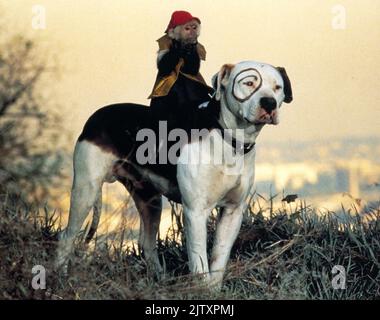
(97, 210)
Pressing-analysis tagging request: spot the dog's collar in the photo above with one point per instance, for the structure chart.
(235, 144)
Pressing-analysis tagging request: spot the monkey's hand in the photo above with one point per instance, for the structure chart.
(188, 49)
(191, 59)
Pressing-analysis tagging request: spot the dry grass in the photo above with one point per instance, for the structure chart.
(279, 254)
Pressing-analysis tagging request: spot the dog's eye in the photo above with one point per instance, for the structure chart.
(249, 83)
(277, 87)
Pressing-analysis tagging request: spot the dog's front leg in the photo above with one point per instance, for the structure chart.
(226, 233)
(196, 238)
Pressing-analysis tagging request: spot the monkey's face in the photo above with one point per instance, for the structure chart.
(189, 32)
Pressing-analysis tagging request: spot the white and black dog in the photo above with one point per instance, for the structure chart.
(248, 95)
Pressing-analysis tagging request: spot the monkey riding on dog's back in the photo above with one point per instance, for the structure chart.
(248, 96)
(179, 84)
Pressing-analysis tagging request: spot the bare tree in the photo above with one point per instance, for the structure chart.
(31, 131)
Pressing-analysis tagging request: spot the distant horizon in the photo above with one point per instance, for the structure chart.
(367, 137)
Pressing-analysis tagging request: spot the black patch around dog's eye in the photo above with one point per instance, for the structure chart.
(257, 83)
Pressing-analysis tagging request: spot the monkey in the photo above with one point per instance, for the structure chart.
(179, 84)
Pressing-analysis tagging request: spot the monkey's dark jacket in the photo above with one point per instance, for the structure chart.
(178, 84)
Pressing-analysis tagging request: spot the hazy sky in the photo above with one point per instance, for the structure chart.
(107, 49)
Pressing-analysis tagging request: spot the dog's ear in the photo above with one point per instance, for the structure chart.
(287, 85)
(220, 80)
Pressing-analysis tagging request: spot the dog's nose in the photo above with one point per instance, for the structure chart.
(268, 104)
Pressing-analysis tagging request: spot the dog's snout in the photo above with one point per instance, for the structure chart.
(268, 104)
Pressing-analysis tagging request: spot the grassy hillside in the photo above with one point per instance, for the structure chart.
(279, 254)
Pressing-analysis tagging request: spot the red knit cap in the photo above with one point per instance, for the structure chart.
(179, 18)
